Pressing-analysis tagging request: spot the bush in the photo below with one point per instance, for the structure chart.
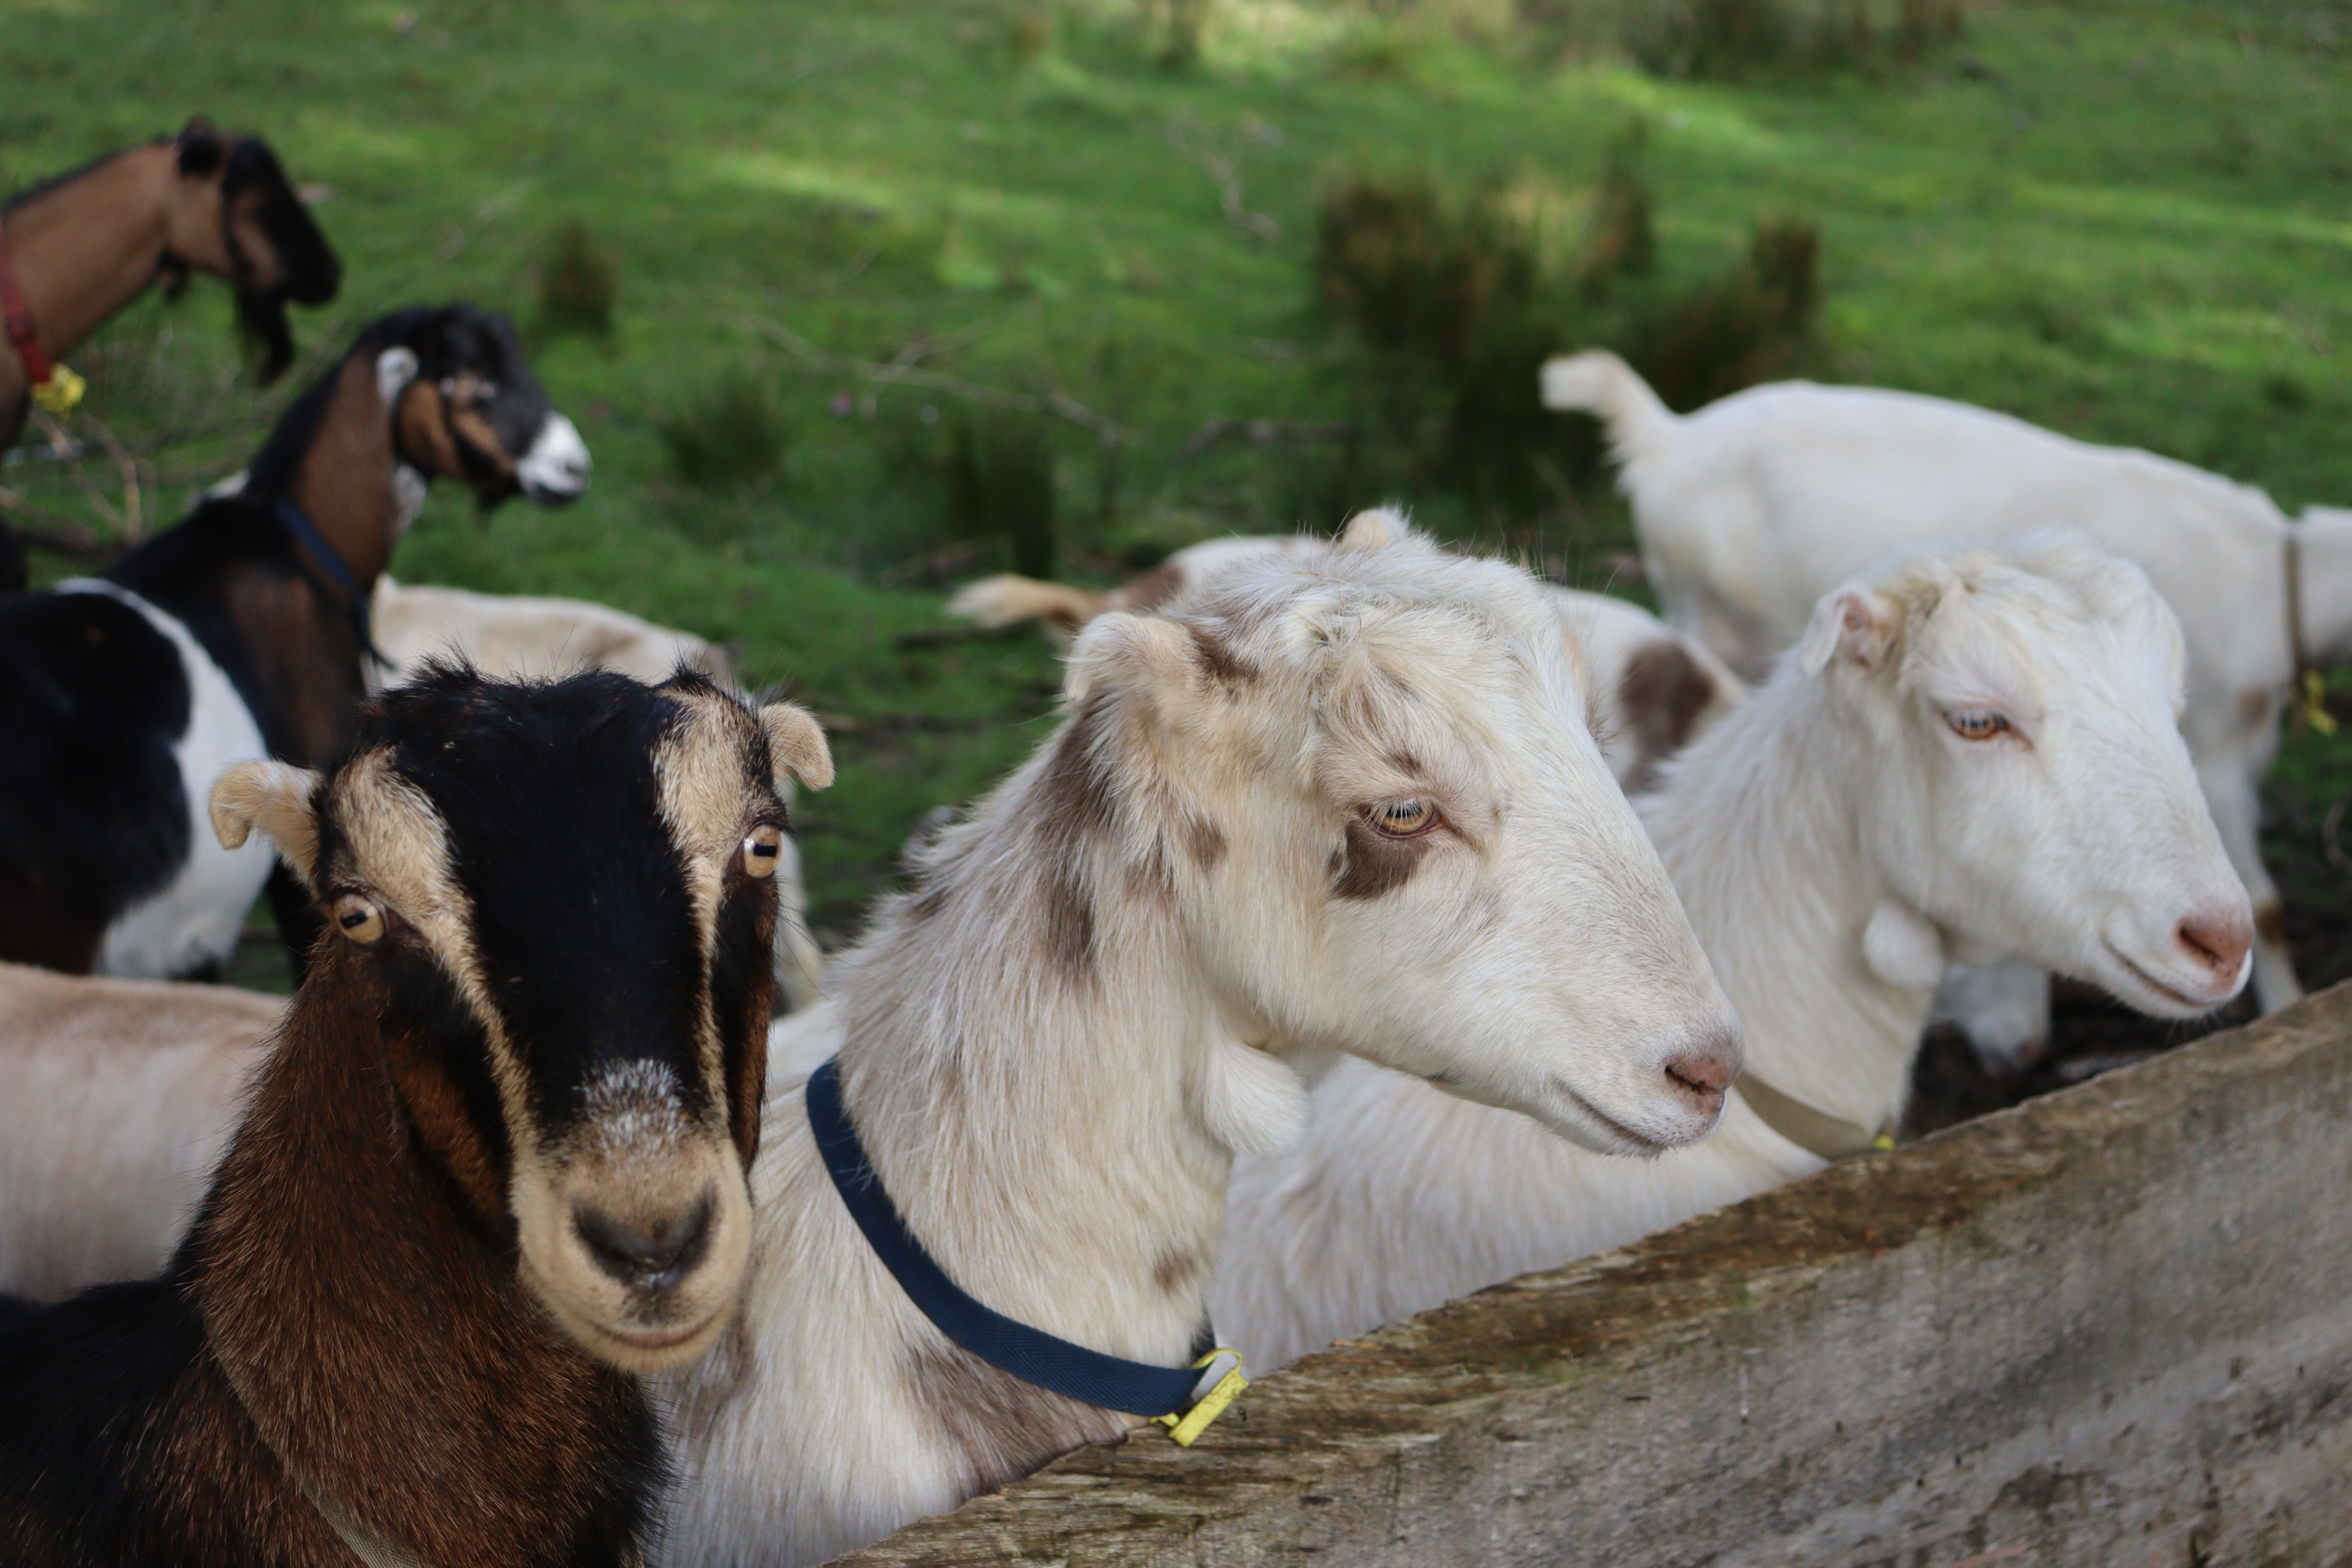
(1000, 486)
(1416, 272)
(1745, 325)
(1621, 237)
(728, 438)
(577, 283)
(1729, 39)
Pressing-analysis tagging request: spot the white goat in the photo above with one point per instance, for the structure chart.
(1346, 800)
(116, 1096)
(1753, 507)
(511, 637)
(1968, 753)
(1653, 688)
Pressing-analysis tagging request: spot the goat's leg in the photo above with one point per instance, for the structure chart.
(2003, 1010)
(2236, 803)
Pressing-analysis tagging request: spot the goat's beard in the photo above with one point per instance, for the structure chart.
(261, 323)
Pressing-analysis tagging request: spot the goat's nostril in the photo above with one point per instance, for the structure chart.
(1705, 1072)
(2220, 941)
(647, 1254)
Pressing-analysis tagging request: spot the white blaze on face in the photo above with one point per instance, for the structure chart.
(557, 466)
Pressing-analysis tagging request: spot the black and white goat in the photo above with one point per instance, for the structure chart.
(494, 1168)
(241, 633)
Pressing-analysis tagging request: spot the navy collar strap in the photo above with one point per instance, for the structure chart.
(339, 571)
(1071, 1371)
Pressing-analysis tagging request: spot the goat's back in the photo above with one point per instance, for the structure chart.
(116, 1097)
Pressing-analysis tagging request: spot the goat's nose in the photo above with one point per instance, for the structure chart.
(1702, 1070)
(647, 1254)
(2217, 939)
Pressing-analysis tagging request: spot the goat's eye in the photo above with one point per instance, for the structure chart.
(1977, 724)
(764, 846)
(359, 920)
(1402, 818)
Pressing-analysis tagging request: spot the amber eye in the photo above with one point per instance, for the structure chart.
(359, 920)
(1977, 724)
(762, 847)
(1402, 818)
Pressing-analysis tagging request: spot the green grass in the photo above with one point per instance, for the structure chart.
(2130, 221)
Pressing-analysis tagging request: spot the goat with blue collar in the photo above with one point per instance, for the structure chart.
(1346, 800)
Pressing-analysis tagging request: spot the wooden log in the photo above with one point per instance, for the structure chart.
(2113, 1326)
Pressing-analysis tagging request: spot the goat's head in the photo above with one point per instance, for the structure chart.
(559, 899)
(1367, 774)
(467, 407)
(2032, 796)
(235, 214)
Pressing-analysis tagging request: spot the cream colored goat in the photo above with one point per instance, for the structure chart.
(1653, 688)
(1345, 800)
(1752, 508)
(513, 638)
(116, 1096)
(1968, 753)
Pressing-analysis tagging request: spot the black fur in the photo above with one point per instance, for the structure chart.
(574, 771)
(12, 571)
(93, 815)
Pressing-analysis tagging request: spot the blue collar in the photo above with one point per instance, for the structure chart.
(1030, 1355)
(339, 571)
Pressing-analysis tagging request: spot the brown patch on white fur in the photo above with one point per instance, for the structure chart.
(1661, 697)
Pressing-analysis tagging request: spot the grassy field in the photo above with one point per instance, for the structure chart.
(2129, 221)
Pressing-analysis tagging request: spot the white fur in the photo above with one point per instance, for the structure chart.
(1752, 508)
(1609, 631)
(557, 467)
(116, 1097)
(1830, 838)
(194, 919)
(1061, 1143)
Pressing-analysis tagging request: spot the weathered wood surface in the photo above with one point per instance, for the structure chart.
(2111, 1327)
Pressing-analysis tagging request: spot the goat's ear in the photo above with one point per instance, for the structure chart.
(796, 744)
(421, 419)
(273, 799)
(200, 147)
(395, 369)
(1853, 624)
(1373, 529)
(1127, 653)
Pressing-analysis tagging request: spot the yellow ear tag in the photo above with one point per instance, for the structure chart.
(2314, 702)
(61, 394)
(1883, 1141)
(1184, 1428)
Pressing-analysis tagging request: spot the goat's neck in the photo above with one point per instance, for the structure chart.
(2326, 540)
(1763, 827)
(88, 247)
(345, 480)
(377, 1334)
(1042, 1130)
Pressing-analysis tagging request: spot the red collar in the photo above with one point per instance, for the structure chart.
(37, 369)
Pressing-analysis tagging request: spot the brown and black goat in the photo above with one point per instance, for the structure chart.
(240, 632)
(84, 244)
(495, 1166)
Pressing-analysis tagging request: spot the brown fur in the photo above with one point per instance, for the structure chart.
(1205, 841)
(1153, 588)
(386, 1353)
(1660, 699)
(1217, 659)
(1005, 1426)
(1369, 864)
(2269, 923)
(42, 926)
(1069, 925)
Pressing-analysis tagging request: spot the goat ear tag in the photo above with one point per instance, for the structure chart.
(1183, 1429)
(61, 394)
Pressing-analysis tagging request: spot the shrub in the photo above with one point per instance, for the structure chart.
(1745, 325)
(577, 283)
(1621, 237)
(726, 439)
(1416, 272)
(1182, 23)
(1000, 486)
